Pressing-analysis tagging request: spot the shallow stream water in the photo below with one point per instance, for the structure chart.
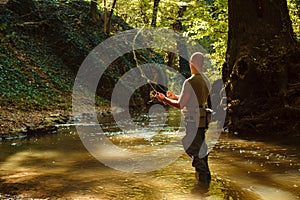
(58, 166)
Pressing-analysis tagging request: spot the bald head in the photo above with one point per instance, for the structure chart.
(197, 60)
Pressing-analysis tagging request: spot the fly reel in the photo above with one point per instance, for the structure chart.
(152, 96)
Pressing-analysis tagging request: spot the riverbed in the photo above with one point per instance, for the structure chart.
(58, 166)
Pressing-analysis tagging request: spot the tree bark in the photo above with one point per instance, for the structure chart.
(93, 11)
(110, 16)
(105, 17)
(183, 65)
(154, 14)
(261, 51)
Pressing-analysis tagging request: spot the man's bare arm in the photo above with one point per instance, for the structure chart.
(179, 103)
(172, 95)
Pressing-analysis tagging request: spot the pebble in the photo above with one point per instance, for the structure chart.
(16, 144)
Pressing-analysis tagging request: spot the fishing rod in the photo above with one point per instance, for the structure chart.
(152, 83)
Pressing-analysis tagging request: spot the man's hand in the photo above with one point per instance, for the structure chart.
(160, 96)
(171, 95)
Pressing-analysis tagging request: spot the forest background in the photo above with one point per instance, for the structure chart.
(43, 43)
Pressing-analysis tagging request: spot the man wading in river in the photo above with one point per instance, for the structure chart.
(192, 101)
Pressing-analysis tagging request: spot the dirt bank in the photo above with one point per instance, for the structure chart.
(15, 122)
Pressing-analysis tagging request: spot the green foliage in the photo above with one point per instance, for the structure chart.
(294, 10)
(99, 101)
(168, 13)
(206, 22)
(203, 21)
(137, 13)
(35, 60)
(31, 77)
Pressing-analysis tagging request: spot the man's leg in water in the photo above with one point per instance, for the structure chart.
(193, 150)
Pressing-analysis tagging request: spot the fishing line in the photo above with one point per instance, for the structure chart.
(150, 82)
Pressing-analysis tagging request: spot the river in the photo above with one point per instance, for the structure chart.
(58, 166)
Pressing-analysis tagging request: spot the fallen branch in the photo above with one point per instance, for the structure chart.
(33, 23)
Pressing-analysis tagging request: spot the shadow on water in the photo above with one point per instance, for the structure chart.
(59, 167)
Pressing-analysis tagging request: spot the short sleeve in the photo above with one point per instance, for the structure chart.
(187, 88)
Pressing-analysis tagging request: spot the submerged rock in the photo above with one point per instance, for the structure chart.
(16, 144)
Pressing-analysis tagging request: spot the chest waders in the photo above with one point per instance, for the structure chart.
(196, 126)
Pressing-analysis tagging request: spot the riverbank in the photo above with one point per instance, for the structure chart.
(42, 47)
(19, 123)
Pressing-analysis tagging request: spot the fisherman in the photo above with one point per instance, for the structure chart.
(193, 101)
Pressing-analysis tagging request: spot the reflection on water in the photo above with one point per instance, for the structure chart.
(59, 166)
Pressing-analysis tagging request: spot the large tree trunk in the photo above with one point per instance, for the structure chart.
(262, 65)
